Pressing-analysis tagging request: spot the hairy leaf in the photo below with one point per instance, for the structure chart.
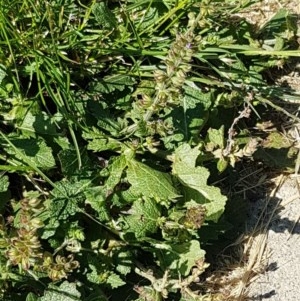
(143, 217)
(65, 292)
(112, 82)
(98, 141)
(181, 257)
(34, 151)
(149, 182)
(123, 262)
(95, 196)
(188, 118)
(115, 280)
(38, 124)
(194, 180)
(67, 199)
(104, 15)
(4, 183)
(115, 169)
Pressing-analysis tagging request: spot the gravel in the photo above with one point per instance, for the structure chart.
(280, 281)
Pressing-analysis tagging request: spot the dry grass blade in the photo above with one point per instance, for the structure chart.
(255, 249)
(233, 281)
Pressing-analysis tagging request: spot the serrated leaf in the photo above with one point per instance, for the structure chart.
(109, 125)
(194, 180)
(111, 83)
(38, 124)
(188, 119)
(65, 292)
(104, 15)
(115, 169)
(129, 195)
(33, 151)
(67, 199)
(98, 269)
(50, 228)
(149, 182)
(123, 262)
(182, 257)
(186, 155)
(115, 281)
(4, 183)
(99, 142)
(69, 164)
(216, 137)
(194, 95)
(143, 217)
(95, 196)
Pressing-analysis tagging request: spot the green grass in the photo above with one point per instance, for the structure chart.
(115, 119)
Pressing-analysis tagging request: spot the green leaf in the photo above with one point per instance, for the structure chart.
(188, 119)
(216, 137)
(3, 74)
(123, 262)
(104, 15)
(194, 180)
(115, 169)
(186, 155)
(69, 164)
(65, 292)
(38, 124)
(95, 196)
(98, 141)
(67, 199)
(143, 217)
(181, 257)
(111, 83)
(115, 280)
(149, 182)
(32, 297)
(50, 228)
(99, 267)
(4, 183)
(34, 151)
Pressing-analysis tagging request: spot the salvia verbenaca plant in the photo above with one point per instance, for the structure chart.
(169, 80)
(21, 246)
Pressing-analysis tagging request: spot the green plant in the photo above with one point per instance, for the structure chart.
(112, 123)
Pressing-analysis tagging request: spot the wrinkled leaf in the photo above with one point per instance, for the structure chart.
(96, 198)
(143, 217)
(4, 183)
(104, 15)
(115, 280)
(115, 169)
(123, 262)
(149, 182)
(111, 83)
(99, 142)
(182, 257)
(33, 151)
(194, 180)
(216, 137)
(65, 292)
(38, 124)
